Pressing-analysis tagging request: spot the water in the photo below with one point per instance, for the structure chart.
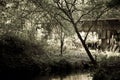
(75, 76)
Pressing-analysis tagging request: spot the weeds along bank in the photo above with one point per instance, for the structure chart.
(19, 56)
(14, 58)
(109, 69)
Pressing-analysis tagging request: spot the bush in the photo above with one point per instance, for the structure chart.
(109, 69)
(14, 57)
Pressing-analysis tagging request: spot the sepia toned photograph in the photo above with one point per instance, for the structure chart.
(59, 39)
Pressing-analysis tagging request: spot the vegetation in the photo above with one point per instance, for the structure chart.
(36, 36)
(108, 69)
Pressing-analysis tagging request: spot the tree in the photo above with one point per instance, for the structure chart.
(62, 32)
(69, 9)
(73, 12)
(14, 15)
(61, 36)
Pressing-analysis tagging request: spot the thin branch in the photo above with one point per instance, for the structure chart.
(63, 17)
(106, 9)
(67, 5)
(88, 33)
(73, 4)
(64, 11)
(85, 14)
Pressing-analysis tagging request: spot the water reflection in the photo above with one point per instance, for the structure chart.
(83, 76)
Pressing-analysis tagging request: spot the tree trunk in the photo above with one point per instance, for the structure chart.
(84, 45)
(61, 40)
(61, 47)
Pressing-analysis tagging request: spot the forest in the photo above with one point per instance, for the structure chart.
(60, 39)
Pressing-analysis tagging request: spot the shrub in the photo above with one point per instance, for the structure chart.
(14, 57)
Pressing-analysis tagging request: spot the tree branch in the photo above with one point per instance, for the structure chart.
(63, 17)
(85, 14)
(106, 9)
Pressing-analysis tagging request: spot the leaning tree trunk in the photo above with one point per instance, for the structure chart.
(84, 45)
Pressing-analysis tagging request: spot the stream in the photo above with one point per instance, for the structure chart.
(73, 76)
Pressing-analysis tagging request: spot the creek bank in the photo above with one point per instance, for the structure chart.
(22, 58)
(109, 69)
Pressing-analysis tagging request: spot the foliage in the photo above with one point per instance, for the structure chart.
(109, 69)
(26, 17)
(114, 4)
(16, 55)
